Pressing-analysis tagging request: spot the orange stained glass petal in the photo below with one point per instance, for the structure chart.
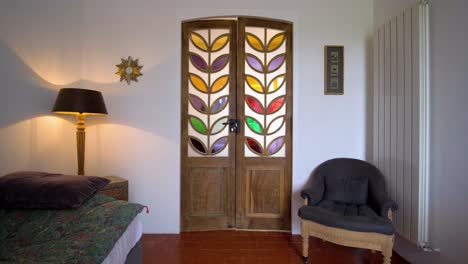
(276, 42)
(198, 83)
(254, 83)
(219, 83)
(198, 41)
(220, 42)
(255, 42)
(276, 83)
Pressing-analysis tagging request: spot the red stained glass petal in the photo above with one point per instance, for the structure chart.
(254, 104)
(276, 104)
(254, 145)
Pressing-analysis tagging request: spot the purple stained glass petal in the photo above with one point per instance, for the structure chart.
(275, 145)
(254, 62)
(197, 103)
(219, 145)
(219, 63)
(198, 62)
(219, 105)
(276, 62)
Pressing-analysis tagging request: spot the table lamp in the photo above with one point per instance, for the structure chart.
(80, 102)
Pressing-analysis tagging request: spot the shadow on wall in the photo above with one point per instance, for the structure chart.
(24, 93)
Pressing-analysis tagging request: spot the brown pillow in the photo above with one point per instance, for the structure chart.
(41, 190)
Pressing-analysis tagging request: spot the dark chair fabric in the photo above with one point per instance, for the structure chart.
(348, 194)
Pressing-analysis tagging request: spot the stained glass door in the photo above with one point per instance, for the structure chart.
(236, 69)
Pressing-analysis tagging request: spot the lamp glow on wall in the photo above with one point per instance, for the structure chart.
(81, 103)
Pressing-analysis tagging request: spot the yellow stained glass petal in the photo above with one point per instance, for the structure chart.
(219, 84)
(198, 83)
(220, 42)
(276, 83)
(276, 41)
(254, 83)
(198, 41)
(255, 42)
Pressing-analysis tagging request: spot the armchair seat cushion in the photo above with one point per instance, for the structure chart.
(353, 217)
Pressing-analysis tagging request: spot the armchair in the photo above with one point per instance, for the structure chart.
(347, 204)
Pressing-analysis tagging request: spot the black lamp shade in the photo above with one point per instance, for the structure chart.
(75, 101)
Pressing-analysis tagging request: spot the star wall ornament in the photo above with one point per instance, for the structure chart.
(129, 70)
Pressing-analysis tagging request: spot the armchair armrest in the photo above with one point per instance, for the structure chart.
(313, 195)
(384, 205)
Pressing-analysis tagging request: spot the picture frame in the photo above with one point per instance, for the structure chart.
(334, 70)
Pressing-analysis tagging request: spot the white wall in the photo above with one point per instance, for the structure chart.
(58, 43)
(449, 129)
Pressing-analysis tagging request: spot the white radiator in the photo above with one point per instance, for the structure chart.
(400, 121)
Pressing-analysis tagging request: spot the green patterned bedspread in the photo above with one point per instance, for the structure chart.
(83, 235)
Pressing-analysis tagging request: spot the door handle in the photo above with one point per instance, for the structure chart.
(233, 125)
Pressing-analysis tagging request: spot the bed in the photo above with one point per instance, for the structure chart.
(102, 230)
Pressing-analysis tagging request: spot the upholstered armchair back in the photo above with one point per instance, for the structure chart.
(350, 181)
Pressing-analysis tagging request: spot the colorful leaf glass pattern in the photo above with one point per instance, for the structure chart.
(197, 145)
(198, 124)
(198, 62)
(219, 105)
(254, 83)
(264, 78)
(254, 62)
(276, 62)
(276, 42)
(254, 124)
(219, 43)
(275, 145)
(219, 84)
(254, 145)
(197, 103)
(210, 135)
(219, 63)
(254, 104)
(198, 83)
(276, 104)
(219, 145)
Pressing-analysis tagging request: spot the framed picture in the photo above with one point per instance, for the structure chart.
(334, 70)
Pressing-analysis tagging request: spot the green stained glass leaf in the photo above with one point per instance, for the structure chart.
(254, 125)
(198, 124)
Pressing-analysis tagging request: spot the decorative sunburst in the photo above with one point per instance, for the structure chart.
(129, 70)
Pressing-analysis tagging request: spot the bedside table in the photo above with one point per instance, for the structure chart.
(117, 188)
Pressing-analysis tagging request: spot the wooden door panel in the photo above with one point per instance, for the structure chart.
(207, 147)
(208, 191)
(264, 188)
(264, 108)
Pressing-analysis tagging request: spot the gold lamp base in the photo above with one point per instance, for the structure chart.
(80, 142)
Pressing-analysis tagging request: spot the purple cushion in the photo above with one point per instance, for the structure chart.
(41, 190)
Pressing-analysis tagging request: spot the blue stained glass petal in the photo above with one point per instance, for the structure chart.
(197, 103)
(219, 105)
(219, 145)
(254, 62)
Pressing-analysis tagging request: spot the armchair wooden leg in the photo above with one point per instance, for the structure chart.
(305, 243)
(387, 252)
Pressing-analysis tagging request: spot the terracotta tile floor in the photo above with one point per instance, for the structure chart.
(242, 247)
